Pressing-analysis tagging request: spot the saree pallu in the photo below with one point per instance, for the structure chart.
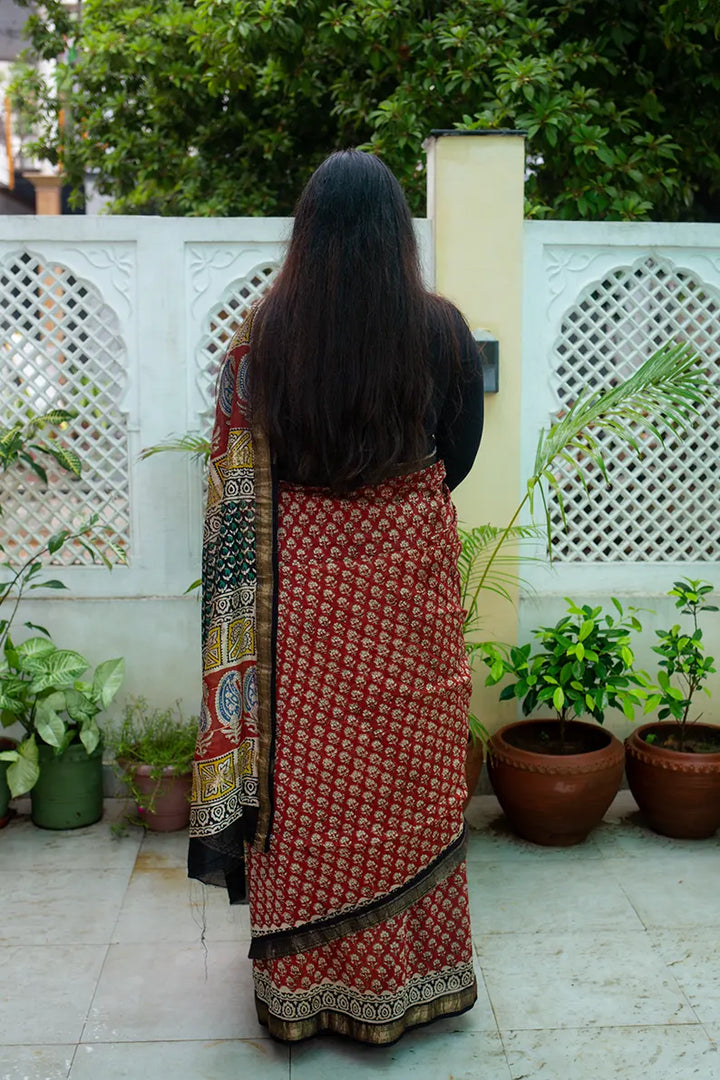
(333, 738)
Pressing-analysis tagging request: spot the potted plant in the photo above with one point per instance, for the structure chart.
(40, 685)
(664, 391)
(555, 777)
(60, 759)
(673, 764)
(154, 751)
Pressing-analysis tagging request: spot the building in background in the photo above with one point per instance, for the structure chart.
(26, 184)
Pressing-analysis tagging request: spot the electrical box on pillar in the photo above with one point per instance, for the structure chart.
(489, 349)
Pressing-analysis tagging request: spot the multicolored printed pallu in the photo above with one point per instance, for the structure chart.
(333, 737)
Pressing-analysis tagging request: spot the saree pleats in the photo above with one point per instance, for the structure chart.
(359, 907)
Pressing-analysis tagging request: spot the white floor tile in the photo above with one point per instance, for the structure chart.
(216, 1060)
(46, 991)
(693, 956)
(25, 847)
(426, 1054)
(591, 979)
(35, 1062)
(682, 1052)
(522, 896)
(162, 905)
(61, 907)
(682, 890)
(165, 992)
(164, 849)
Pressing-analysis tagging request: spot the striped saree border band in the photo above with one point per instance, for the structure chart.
(311, 935)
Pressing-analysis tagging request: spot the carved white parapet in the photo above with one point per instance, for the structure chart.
(62, 347)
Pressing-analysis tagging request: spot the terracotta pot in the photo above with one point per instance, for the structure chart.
(555, 799)
(473, 768)
(168, 798)
(678, 792)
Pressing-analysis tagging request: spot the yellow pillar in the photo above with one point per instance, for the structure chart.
(48, 188)
(475, 203)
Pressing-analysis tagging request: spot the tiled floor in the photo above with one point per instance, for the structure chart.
(601, 961)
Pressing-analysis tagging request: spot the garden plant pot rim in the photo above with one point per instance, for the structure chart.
(534, 757)
(6, 743)
(143, 769)
(74, 749)
(636, 744)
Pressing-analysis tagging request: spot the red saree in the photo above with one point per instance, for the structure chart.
(355, 835)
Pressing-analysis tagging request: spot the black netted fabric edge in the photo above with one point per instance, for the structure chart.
(223, 868)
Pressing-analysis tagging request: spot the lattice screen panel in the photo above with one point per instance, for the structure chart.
(223, 321)
(665, 508)
(61, 347)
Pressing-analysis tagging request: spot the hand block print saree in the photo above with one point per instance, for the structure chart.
(333, 737)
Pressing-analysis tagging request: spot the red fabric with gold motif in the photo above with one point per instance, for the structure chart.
(362, 892)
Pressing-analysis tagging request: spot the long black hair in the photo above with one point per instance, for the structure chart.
(340, 367)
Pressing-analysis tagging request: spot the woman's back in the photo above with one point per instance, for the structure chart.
(353, 361)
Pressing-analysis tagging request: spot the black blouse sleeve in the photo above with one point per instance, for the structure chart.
(459, 424)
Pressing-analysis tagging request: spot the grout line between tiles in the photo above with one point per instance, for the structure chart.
(107, 950)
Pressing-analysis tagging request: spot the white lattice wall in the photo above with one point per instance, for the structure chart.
(62, 347)
(220, 324)
(599, 299)
(666, 506)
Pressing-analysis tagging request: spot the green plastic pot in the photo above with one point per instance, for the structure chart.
(69, 791)
(5, 744)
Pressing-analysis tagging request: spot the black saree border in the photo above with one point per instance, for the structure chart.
(275, 944)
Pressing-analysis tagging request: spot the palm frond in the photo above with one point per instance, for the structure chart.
(662, 395)
(192, 442)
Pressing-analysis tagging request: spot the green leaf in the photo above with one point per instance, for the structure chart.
(108, 679)
(558, 699)
(587, 628)
(22, 775)
(61, 669)
(49, 725)
(56, 542)
(36, 646)
(90, 736)
(53, 583)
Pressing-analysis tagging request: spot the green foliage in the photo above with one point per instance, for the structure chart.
(23, 577)
(19, 444)
(218, 107)
(663, 393)
(160, 738)
(156, 737)
(42, 689)
(192, 442)
(585, 664)
(683, 658)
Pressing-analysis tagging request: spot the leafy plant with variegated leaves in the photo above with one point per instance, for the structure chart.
(41, 687)
(585, 665)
